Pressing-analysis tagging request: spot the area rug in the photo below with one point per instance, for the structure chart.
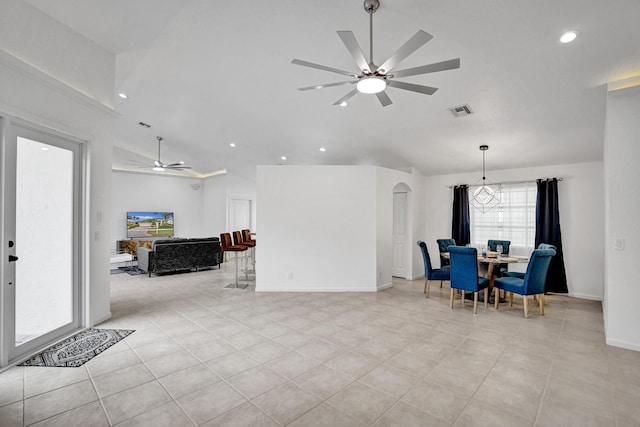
(78, 349)
(131, 271)
(116, 271)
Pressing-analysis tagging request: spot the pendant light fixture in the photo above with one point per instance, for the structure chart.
(486, 196)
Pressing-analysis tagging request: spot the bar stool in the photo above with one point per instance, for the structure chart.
(228, 246)
(246, 237)
(238, 241)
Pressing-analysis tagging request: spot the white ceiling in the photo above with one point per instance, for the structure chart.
(207, 73)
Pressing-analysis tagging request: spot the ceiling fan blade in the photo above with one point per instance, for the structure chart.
(431, 68)
(177, 167)
(384, 98)
(415, 42)
(346, 97)
(170, 165)
(352, 45)
(427, 90)
(327, 85)
(322, 67)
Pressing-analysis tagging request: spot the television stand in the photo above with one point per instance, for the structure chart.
(131, 246)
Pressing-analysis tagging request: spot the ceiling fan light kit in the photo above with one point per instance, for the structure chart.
(374, 79)
(371, 84)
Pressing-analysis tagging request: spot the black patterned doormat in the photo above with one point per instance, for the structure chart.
(78, 349)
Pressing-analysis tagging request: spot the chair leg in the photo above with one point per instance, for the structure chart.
(462, 297)
(428, 287)
(510, 299)
(451, 299)
(496, 297)
(236, 269)
(475, 303)
(525, 301)
(486, 297)
(542, 304)
(425, 285)
(441, 283)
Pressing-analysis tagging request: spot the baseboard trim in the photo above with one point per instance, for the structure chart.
(584, 296)
(102, 319)
(623, 344)
(316, 290)
(385, 286)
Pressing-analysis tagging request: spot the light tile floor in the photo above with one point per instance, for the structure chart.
(205, 355)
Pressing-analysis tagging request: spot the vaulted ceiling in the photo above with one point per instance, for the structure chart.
(205, 74)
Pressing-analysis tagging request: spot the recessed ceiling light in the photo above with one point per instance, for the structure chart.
(123, 95)
(44, 149)
(568, 37)
(323, 149)
(344, 104)
(283, 158)
(233, 145)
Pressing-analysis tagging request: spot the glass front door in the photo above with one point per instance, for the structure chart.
(41, 236)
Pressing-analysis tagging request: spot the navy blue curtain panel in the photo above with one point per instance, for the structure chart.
(548, 231)
(461, 223)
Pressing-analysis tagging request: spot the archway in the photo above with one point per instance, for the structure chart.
(400, 240)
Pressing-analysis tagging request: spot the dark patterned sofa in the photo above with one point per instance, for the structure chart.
(180, 255)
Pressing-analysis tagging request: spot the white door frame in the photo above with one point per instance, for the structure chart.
(10, 128)
(400, 239)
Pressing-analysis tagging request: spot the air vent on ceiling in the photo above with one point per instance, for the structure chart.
(461, 110)
(143, 124)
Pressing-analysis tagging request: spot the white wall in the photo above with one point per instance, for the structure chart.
(581, 200)
(54, 77)
(214, 205)
(329, 228)
(156, 193)
(317, 228)
(621, 176)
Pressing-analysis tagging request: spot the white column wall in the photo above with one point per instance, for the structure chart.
(621, 177)
(52, 76)
(581, 201)
(317, 228)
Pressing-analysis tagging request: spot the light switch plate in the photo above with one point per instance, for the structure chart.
(618, 244)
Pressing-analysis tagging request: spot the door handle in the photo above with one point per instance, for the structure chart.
(13, 258)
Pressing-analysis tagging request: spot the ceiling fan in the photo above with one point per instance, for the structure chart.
(374, 78)
(158, 166)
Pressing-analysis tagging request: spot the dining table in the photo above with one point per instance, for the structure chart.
(488, 263)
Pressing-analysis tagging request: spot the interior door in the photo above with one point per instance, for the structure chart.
(399, 241)
(41, 183)
(239, 214)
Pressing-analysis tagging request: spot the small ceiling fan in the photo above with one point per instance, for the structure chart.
(373, 78)
(158, 166)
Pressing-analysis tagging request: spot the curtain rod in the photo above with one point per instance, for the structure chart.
(508, 182)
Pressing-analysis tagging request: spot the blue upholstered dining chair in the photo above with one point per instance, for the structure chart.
(443, 246)
(520, 274)
(533, 282)
(464, 274)
(492, 245)
(429, 272)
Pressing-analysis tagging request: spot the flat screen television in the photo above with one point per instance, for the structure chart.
(149, 224)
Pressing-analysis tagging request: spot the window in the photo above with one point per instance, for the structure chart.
(514, 219)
